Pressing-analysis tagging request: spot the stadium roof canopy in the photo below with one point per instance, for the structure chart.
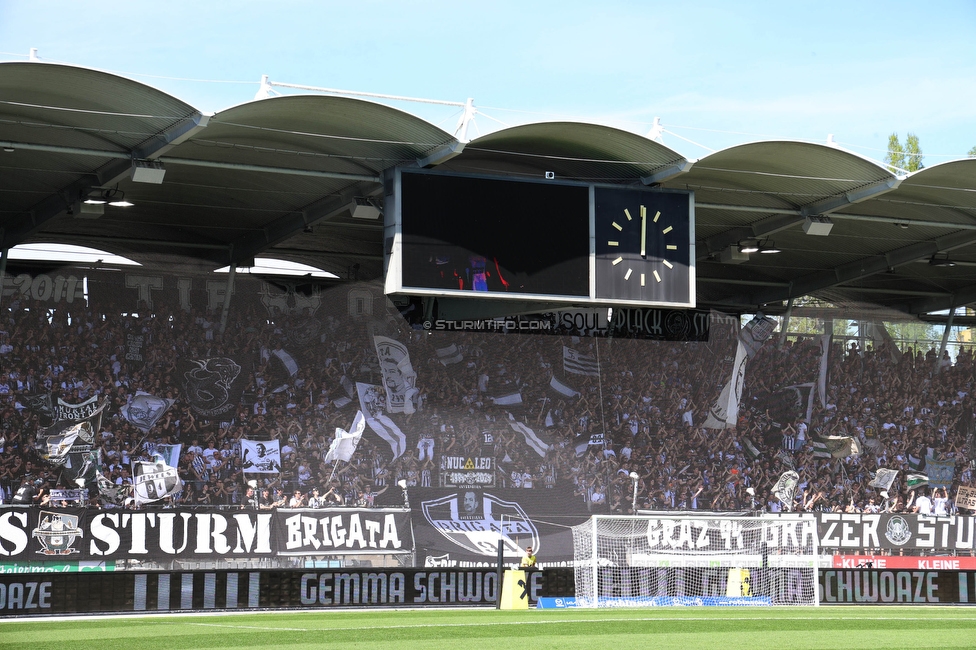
(279, 177)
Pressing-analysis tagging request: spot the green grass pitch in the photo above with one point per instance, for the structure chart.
(787, 628)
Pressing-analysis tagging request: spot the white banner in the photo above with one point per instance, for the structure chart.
(260, 457)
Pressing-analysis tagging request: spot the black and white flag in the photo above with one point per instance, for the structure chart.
(214, 385)
(539, 444)
(724, 413)
(585, 442)
(883, 478)
(449, 355)
(562, 388)
(144, 410)
(785, 488)
(154, 481)
(576, 363)
(282, 369)
(387, 429)
(835, 446)
(399, 377)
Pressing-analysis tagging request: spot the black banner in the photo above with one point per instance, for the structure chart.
(892, 587)
(894, 531)
(462, 527)
(165, 591)
(41, 534)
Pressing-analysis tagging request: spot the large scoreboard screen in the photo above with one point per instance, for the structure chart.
(501, 237)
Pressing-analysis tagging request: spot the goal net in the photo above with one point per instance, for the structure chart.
(648, 560)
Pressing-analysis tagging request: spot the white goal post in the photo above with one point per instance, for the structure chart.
(696, 559)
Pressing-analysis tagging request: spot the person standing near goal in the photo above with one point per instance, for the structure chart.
(528, 560)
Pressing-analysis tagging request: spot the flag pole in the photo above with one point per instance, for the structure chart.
(333, 470)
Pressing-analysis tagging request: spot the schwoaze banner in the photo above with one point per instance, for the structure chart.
(43, 534)
(459, 527)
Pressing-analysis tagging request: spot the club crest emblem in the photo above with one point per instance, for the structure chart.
(57, 533)
(476, 521)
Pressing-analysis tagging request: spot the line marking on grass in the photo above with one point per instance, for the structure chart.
(256, 627)
(552, 622)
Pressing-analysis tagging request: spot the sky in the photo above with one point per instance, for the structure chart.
(716, 73)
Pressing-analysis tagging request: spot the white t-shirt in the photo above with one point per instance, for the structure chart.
(924, 505)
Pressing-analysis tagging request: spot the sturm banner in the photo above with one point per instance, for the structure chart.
(892, 531)
(459, 527)
(44, 534)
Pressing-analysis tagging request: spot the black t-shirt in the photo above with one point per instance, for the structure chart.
(24, 495)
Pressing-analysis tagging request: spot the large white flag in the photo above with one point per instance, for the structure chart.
(725, 412)
(345, 442)
(883, 478)
(399, 377)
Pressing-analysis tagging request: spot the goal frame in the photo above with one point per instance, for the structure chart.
(804, 558)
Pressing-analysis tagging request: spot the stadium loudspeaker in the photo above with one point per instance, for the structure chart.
(148, 171)
(817, 225)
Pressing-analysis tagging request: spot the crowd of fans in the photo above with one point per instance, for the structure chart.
(642, 416)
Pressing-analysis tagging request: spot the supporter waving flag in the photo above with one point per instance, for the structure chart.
(399, 377)
(940, 472)
(883, 478)
(835, 447)
(372, 403)
(345, 442)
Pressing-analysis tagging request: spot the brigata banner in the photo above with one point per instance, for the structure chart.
(43, 534)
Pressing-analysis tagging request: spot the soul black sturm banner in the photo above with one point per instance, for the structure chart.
(39, 534)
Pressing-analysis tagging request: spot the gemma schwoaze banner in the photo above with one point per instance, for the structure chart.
(79, 534)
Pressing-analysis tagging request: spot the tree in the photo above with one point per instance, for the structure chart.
(972, 153)
(913, 163)
(907, 158)
(895, 158)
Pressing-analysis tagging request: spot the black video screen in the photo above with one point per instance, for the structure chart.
(466, 235)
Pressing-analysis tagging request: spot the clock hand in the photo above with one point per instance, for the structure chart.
(643, 232)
